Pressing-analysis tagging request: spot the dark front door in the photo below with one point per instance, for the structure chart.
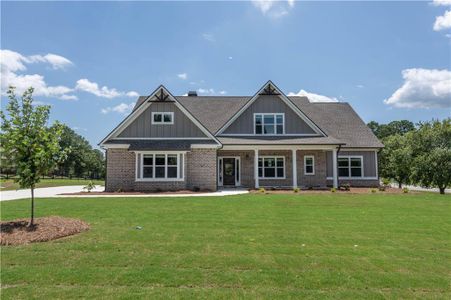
(229, 171)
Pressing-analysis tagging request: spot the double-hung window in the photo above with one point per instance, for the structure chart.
(160, 166)
(309, 165)
(271, 167)
(162, 118)
(350, 166)
(269, 123)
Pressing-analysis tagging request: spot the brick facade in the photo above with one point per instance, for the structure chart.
(199, 172)
(318, 180)
(201, 169)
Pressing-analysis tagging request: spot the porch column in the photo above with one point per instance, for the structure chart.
(334, 167)
(295, 169)
(256, 168)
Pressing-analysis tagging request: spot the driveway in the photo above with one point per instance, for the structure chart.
(51, 192)
(44, 192)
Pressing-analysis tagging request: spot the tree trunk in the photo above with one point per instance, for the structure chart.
(32, 208)
(399, 185)
(442, 190)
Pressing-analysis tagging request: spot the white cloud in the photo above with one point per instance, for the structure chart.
(182, 76)
(360, 86)
(206, 91)
(222, 92)
(208, 37)
(57, 61)
(104, 91)
(132, 94)
(443, 22)
(12, 63)
(230, 57)
(314, 97)
(122, 108)
(442, 2)
(273, 8)
(423, 88)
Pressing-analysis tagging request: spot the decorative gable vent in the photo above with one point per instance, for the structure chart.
(161, 95)
(269, 90)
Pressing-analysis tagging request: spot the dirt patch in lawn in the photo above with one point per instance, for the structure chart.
(139, 193)
(45, 229)
(355, 190)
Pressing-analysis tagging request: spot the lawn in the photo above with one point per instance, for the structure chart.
(251, 246)
(9, 184)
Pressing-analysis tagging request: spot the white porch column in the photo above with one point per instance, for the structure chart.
(334, 167)
(295, 169)
(256, 168)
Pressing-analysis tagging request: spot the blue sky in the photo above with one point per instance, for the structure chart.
(359, 52)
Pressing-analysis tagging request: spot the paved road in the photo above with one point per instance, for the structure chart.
(44, 192)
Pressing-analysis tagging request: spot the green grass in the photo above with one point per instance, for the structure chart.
(9, 184)
(248, 246)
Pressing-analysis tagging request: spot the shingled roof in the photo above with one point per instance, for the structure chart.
(338, 120)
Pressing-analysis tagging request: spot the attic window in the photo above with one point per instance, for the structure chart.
(269, 124)
(162, 118)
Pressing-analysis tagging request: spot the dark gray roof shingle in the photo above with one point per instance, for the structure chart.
(337, 119)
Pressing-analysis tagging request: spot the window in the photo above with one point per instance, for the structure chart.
(162, 166)
(309, 165)
(162, 118)
(269, 124)
(271, 167)
(350, 166)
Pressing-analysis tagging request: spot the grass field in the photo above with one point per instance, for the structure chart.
(9, 184)
(251, 246)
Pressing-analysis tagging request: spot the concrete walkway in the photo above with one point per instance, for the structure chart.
(55, 192)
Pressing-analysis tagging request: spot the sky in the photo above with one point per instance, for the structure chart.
(90, 61)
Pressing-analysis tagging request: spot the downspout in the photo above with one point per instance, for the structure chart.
(338, 176)
(106, 167)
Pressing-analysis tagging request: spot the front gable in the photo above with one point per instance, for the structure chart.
(270, 100)
(139, 125)
(244, 124)
(181, 127)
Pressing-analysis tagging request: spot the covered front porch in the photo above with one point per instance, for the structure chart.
(278, 166)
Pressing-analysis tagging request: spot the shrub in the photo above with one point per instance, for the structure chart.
(386, 182)
(196, 188)
(346, 186)
(296, 190)
(90, 186)
(405, 190)
(333, 190)
(262, 190)
(373, 191)
(382, 188)
(119, 190)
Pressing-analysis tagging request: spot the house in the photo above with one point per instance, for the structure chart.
(267, 140)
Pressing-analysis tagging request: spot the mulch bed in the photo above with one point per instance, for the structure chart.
(45, 229)
(138, 193)
(355, 190)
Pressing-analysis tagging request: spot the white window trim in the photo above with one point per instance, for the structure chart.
(349, 167)
(263, 163)
(180, 163)
(221, 168)
(275, 124)
(305, 165)
(162, 113)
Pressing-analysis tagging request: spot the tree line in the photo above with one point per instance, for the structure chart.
(418, 154)
(80, 159)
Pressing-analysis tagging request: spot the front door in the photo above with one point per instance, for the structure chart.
(229, 171)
